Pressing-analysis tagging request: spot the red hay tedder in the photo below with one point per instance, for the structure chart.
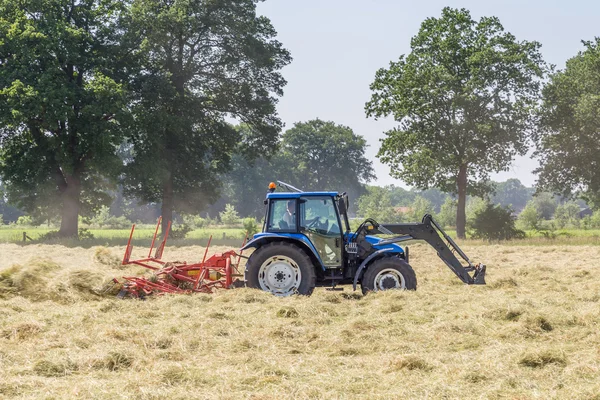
(219, 271)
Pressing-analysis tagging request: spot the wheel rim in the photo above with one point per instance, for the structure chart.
(280, 275)
(389, 279)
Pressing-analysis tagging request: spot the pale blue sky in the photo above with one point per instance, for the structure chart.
(337, 46)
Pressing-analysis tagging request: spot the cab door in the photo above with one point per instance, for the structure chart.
(319, 221)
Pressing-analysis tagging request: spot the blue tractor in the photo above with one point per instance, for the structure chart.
(306, 242)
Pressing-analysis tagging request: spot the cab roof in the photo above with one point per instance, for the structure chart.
(296, 195)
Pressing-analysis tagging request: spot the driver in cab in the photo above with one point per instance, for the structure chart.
(290, 215)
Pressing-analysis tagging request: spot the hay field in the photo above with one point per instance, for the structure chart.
(532, 333)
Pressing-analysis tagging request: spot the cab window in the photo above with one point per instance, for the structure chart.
(282, 216)
(319, 215)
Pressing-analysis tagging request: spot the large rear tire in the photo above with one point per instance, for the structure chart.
(282, 269)
(388, 273)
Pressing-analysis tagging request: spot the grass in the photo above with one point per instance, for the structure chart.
(114, 237)
(531, 333)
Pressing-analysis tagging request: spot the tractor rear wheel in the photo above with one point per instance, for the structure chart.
(280, 268)
(389, 273)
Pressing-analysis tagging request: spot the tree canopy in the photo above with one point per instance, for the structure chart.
(312, 155)
(569, 135)
(464, 98)
(60, 101)
(203, 62)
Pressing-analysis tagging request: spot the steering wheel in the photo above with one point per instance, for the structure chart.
(319, 224)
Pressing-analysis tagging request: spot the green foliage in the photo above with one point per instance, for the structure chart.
(568, 143)
(447, 215)
(546, 204)
(25, 220)
(83, 234)
(377, 204)
(400, 196)
(203, 62)
(103, 219)
(464, 100)
(61, 98)
(511, 193)
(474, 205)
(314, 155)
(180, 232)
(250, 226)
(567, 214)
(494, 222)
(327, 156)
(194, 221)
(229, 216)
(530, 217)
(419, 208)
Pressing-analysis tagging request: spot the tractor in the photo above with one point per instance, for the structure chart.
(306, 241)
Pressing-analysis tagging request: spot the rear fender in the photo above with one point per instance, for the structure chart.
(299, 240)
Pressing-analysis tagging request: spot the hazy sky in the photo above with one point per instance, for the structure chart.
(337, 46)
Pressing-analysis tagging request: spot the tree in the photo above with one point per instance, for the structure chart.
(377, 204)
(327, 156)
(203, 61)
(546, 204)
(420, 207)
(400, 196)
(530, 217)
(313, 155)
(567, 213)
(61, 98)
(511, 193)
(464, 98)
(570, 123)
(447, 215)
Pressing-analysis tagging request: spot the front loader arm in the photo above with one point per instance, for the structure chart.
(429, 231)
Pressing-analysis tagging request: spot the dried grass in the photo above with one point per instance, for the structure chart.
(531, 333)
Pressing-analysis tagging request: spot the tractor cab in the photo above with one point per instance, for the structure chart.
(313, 215)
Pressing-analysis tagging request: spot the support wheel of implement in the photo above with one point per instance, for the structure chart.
(389, 273)
(280, 268)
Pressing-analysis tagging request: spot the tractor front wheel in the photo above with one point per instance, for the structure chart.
(280, 268)
(389, 273)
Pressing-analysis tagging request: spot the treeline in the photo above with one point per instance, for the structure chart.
(531, 210)
(136, 93)
(135, 100)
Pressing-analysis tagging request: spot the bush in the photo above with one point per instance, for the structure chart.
(194, 221)
(250, 226)
(494, 222)
(180, 233)
(229, 216)
(25, 220)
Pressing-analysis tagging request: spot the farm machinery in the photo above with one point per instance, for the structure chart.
(219, 271)
(306, 241)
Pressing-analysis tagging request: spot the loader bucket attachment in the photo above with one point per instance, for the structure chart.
(447, 249)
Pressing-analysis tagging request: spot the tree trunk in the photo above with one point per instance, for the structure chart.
(69, 223)
(167, 202)
(461, 216)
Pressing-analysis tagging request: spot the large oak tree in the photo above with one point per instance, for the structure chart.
(206, 62)
(60, 98)
(464, 98)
